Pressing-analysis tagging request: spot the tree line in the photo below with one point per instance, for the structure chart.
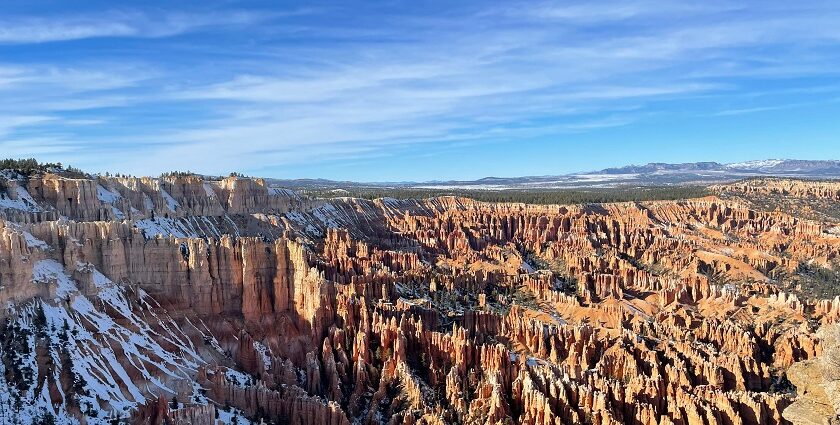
(31, 166)
(528, 196)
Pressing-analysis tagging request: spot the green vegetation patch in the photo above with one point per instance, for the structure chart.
(31, 166)
(528, 196)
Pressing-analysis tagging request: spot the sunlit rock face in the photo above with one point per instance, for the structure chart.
(182, 300)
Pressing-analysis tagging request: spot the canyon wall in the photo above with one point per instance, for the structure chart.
(241, 300)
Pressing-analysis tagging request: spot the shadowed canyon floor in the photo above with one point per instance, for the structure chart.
(182, 300)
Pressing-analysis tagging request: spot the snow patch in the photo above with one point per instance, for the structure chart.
(756, 165)
(279, 191)
(527, 267)
(232, 416)
(46, 271)
(117, 213)
(238, 378)
(147, 203)
(152, 227)
(208, 190)
(106, 195)
(24, 201)
(31, 241)
(264, 353)
(171, 203)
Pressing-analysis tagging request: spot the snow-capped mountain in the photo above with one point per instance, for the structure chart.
(767, 167)
(827, 168)
(651, 174)
(755, 165)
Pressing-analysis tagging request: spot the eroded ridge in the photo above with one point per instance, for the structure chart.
(193, 301)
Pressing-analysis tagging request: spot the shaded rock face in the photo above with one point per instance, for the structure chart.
(817, 383)
(49, 196)
(180, 300)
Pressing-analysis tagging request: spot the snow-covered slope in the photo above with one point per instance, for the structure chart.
(91, 351)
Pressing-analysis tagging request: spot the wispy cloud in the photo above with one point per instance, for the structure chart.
(10, 123)
(257, 89)
(23, 30)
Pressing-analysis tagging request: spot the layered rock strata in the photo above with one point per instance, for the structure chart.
(240, 300)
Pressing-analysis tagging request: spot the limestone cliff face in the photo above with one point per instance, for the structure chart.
(240, 299)
(250, 276)
(245, 196)
(817, 383)
(47, 196)
(76, 198)
(785, 187)
(17, 257)
(813, 199)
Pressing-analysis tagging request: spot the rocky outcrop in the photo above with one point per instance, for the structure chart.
(288, 402)
(47, 196)
(814, 199)
(785, 187)
(817, 383)
(443, 310)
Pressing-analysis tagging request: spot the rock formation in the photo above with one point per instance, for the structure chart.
(181, 300)
(817, 382)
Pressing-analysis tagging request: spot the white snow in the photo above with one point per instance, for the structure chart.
(147, 203)
(152, 227)
(117, 213)
(46, 271)
(233, 225)
(114, 346)
(238, 378)
(603, 177)
(106, 195)
(279, 191)
(212, 227)
(31, 241)
(208, 190)
(186, 227)
(264, 353)
(391, 202)
(24, 195)
(330, 216)
(24, 201)
(296, 217)
(34, 243)
(527, 267)
(301, 220)
(232, 417)
(170, 201)
(756, 165)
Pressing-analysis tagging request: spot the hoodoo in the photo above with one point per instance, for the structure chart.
(188, 300)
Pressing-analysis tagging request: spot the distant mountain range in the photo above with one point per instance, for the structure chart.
(652, 174)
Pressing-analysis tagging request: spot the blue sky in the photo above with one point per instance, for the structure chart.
(416, 90)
